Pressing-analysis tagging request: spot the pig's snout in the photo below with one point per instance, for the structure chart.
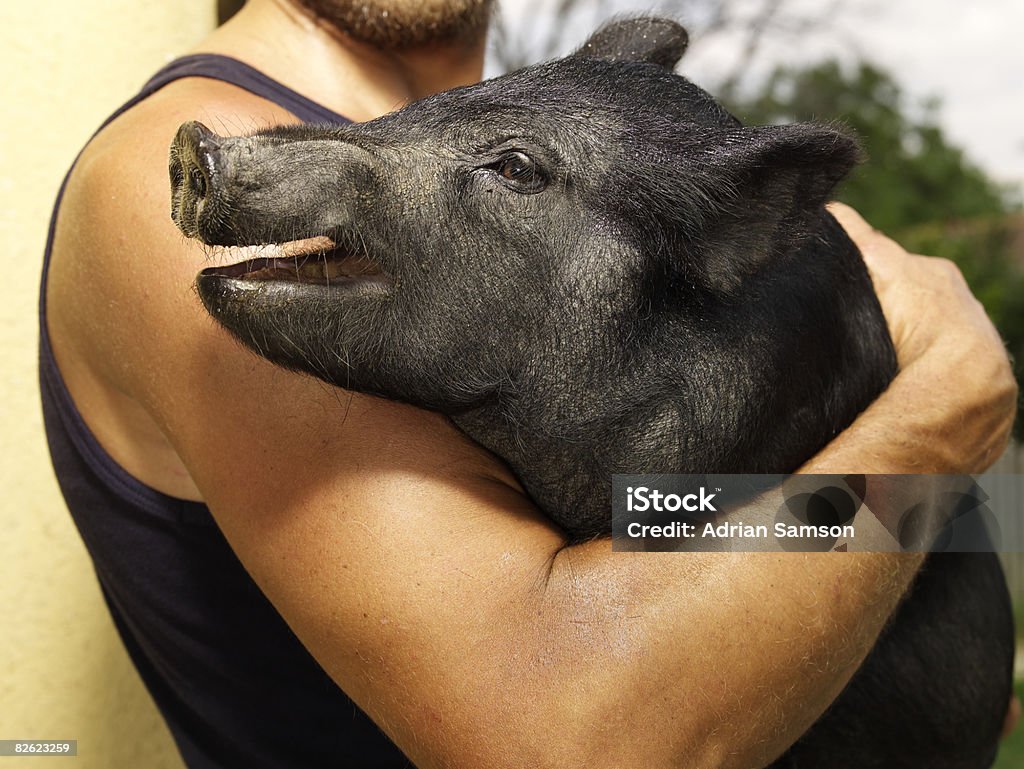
(197, 168)
(265, 188)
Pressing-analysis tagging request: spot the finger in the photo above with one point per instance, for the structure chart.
(851, 221)
(884, 257)
(1012, 717)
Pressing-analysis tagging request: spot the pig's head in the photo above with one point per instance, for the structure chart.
(449, 252)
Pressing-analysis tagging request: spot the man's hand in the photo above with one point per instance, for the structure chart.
(943, 336)
(956, 391)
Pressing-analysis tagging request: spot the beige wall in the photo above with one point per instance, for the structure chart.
(65, 65)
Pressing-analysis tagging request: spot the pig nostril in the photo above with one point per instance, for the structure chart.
(177, 174)
(197, 181)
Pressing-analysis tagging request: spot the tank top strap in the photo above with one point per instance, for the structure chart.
(238, 73)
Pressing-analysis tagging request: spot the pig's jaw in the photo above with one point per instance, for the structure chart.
(313, 263)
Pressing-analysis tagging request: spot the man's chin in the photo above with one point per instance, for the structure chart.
(405, 24)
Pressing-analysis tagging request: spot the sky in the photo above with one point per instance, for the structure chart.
(969, 55)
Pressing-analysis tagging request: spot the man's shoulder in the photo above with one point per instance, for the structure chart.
(141, 135)
(121, 175)
(119, 268)
(118, 193)
(120, 304)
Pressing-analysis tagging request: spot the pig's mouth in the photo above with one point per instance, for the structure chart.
(314, 262)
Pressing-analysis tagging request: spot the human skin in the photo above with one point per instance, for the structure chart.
(406, 558)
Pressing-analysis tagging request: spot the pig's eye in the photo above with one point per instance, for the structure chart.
(521, 172)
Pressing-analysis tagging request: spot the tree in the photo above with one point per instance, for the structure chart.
(553, 27)
(913, 176)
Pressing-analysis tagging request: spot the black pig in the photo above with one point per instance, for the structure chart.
(593, 268)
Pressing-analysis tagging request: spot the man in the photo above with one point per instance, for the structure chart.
(406, 559)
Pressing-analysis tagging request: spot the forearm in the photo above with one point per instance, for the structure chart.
(472, 647)
(443, 603)
(724, 660)
(909, 428)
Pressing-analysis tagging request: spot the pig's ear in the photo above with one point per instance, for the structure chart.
(769, 184)
(644, 39)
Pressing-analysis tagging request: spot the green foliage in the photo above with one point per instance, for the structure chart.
(983, 249)
(1011, 752)
(913, 175)
(915, 185)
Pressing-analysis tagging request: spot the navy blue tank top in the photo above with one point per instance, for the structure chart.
(235, 686)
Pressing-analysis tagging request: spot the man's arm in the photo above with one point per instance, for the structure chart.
(408, 560)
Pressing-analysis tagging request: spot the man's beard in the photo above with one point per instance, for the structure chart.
(404, 24)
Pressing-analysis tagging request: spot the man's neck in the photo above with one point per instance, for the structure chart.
(351, 78)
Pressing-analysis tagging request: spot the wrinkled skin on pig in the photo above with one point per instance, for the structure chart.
(593, 268)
